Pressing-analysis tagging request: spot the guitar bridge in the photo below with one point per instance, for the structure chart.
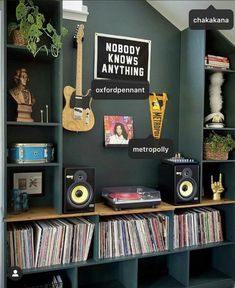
(77, 113)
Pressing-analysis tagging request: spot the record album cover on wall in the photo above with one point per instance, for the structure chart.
(118, 130)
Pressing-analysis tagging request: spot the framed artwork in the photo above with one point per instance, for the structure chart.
(30, 182)
(118, 130)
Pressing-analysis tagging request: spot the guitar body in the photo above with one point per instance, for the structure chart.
(77, 118)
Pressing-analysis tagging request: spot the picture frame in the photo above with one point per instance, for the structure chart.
(30, 182)
(118, 130)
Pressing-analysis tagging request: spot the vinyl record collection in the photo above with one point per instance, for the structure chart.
(197, 226)
(133, 234)
(51, 242)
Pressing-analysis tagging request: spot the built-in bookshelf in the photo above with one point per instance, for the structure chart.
(168, 267)
(214, 271)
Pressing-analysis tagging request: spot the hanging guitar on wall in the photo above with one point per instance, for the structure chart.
(77, 113)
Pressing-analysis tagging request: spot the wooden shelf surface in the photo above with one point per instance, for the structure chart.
(41, 213)
(104, 210)
(207, 202)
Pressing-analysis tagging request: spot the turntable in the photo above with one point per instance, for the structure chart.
(126, 197)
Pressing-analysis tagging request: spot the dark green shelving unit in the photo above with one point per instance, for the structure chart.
(45, 82)
(203, 266)
(209, 266)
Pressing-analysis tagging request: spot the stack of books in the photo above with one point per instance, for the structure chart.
(212, 61)
(197, 226)
(133, 234)
(50, 242)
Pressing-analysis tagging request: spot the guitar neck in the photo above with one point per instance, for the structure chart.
(79, 69)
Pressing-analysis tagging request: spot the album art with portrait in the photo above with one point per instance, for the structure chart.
(118, 130)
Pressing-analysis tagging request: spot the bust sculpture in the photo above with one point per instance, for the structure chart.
(22, 96)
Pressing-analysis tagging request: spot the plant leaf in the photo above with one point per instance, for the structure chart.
(39, 21)
(30, 19)
(21, 11)
(64, 31)
(49, 28)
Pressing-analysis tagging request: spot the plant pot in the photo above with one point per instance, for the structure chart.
(208, 154)
(17, 38)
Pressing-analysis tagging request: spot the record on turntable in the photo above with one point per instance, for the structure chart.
(126, 197)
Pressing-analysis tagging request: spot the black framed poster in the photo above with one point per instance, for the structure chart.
(121, 67)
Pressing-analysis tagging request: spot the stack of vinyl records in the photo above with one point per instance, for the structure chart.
(133, 234)
(212, 61)
(50, 242)
(197, 226)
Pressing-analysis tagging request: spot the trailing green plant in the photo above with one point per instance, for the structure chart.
(220, 143)
(31, 24)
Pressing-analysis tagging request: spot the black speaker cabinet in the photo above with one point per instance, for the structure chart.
(79, 189)
(179, 183)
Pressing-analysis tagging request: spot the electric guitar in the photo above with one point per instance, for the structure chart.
(77, 113)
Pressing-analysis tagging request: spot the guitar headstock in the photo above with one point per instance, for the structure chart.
(79, 34)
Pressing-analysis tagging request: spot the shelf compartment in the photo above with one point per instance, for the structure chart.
(228, 101)
(115, 275)
(211, 279)
(51, 187)
(215, 168)
(42, 279)
(32, 134)
(165, 281)
(227, 221)
(163, 271)
(205, 270)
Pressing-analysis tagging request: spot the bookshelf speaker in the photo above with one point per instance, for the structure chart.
(79, 189)
(179, 183)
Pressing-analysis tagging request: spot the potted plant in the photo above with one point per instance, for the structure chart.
(31, 24)
(15, 35)
(217, 147)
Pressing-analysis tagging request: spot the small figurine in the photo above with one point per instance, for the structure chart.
(217, 187)
(20, 201)
(22, 96)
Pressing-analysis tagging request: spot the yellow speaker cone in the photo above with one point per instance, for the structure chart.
(186, 189)
(79, 194)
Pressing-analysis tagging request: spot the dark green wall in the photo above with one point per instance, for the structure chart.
(133, 19)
